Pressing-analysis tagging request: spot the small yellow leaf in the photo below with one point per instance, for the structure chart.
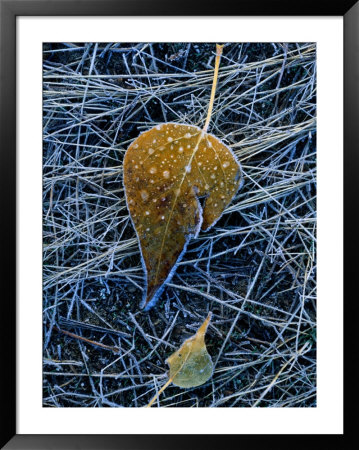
(191, 365)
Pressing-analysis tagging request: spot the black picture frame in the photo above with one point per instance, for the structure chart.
(9, 10)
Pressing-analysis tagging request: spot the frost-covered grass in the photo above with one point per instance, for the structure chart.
(255, 269)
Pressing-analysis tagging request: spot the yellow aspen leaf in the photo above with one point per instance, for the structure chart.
(191, 365)
(167, 171)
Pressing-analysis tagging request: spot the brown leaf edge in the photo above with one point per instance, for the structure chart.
(190, 236)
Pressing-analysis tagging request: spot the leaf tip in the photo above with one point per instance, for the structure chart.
(203, 328)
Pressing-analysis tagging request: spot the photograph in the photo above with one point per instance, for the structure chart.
(179, 224)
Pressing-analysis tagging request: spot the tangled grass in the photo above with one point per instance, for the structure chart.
(255, 269)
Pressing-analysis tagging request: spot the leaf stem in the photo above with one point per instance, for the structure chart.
(169, 381)
(219, 49)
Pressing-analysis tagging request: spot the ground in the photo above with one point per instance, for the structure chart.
(255, 269)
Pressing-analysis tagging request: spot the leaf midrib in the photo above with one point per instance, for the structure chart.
(201, 135)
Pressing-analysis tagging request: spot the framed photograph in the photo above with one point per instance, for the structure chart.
(174, 180)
